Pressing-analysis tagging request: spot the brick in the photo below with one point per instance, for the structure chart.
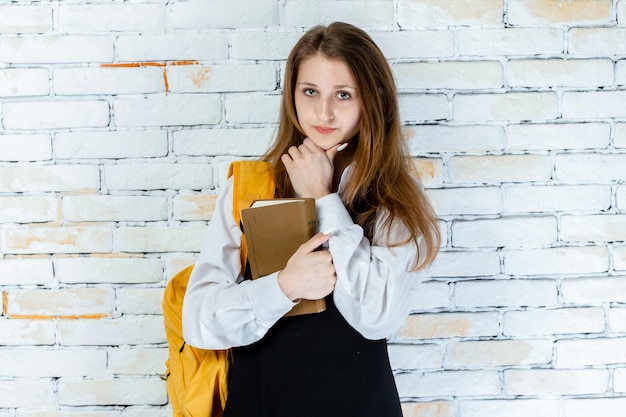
(86, 208)
(561, 260)
(56, 240)
(176, 262)
(617, 319)
(592, 291)
(172, 47)
(114, 270)
(449, 383)
(414, 357)
(50, 412)
(582, 353)
(23, 393)
(453, 139)
(19, 332)
(619, 140)
(126, 17)
(597, 41)
(108, 80)
(221, 78)
(56, 49)
(415, 43)
(418, 107)
(499, 168)
(428, 409)
(510, 106)
(550, 382)
(111, 391)
(466, 264)
(595, 228)
(428, 295)
(429, 171)
(160, 239)
(579, 73)
(26, 271)
(48, 178)
(16, 82)
(22, 148)
(541, 12)
(496, 353)
(362, 13)
(124, 361)
(619, 258)
(489, 293)
(548, 322)
(620, 72)
(17, 18)
(111, 144)
(125, 330)
(158, 176)
(448, 75)
(179, 109)
(594, 104)
(219, 14)
(252, 108)
(140, 300)
(148, 411)
(469, 200)
(432, 13)
(581, 407)
(547, 137)
(28, 209)
(446, 325)
(55, 114)
(240, 142)
(516, 407)
(52, 363)
(512, 232)
(194, 207)
(262, 46)
(61, 302)
(549, 198)
(590, 167)
(510, 41)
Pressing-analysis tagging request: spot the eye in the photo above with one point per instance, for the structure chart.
(309, 92)
(342, 95)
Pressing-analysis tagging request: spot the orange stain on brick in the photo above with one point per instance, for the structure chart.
(561, 11)
(199, 76)
(432, 326)
(163, 64)
(57, 317)
(425, 169)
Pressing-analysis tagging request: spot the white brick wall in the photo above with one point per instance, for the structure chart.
(118, 121)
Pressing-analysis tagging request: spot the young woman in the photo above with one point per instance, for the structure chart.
(339, 141)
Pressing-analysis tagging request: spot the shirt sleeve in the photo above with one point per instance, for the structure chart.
(373, 280)
(220, 309)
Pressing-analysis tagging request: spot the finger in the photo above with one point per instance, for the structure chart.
(315, 242)
(332, 152)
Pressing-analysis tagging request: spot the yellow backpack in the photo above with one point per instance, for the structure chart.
(197, 379)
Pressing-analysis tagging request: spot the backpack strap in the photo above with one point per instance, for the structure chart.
(252, 180)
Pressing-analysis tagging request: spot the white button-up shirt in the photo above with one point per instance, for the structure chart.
(221, 310)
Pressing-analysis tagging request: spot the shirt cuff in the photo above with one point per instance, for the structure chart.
(268, 301)
(332, 214)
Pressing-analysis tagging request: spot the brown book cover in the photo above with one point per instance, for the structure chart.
(274, 229)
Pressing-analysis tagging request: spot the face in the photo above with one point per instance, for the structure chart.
(327, 101)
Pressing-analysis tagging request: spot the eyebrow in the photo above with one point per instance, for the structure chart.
(304, 83)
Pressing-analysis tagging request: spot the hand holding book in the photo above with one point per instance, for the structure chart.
(281, 236)
(309, 273)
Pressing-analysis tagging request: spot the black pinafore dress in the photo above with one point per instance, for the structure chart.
(314, 365)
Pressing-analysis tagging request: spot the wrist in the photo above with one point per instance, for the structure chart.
(286, 287)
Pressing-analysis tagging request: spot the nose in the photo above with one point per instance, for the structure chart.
(325, 110)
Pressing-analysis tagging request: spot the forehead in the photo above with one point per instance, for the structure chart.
(319, 69)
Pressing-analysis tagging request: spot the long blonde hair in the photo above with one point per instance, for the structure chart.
(381, 175)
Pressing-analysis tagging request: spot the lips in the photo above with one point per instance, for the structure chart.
(324, 130)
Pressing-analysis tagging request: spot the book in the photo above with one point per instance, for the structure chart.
(274, 229)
